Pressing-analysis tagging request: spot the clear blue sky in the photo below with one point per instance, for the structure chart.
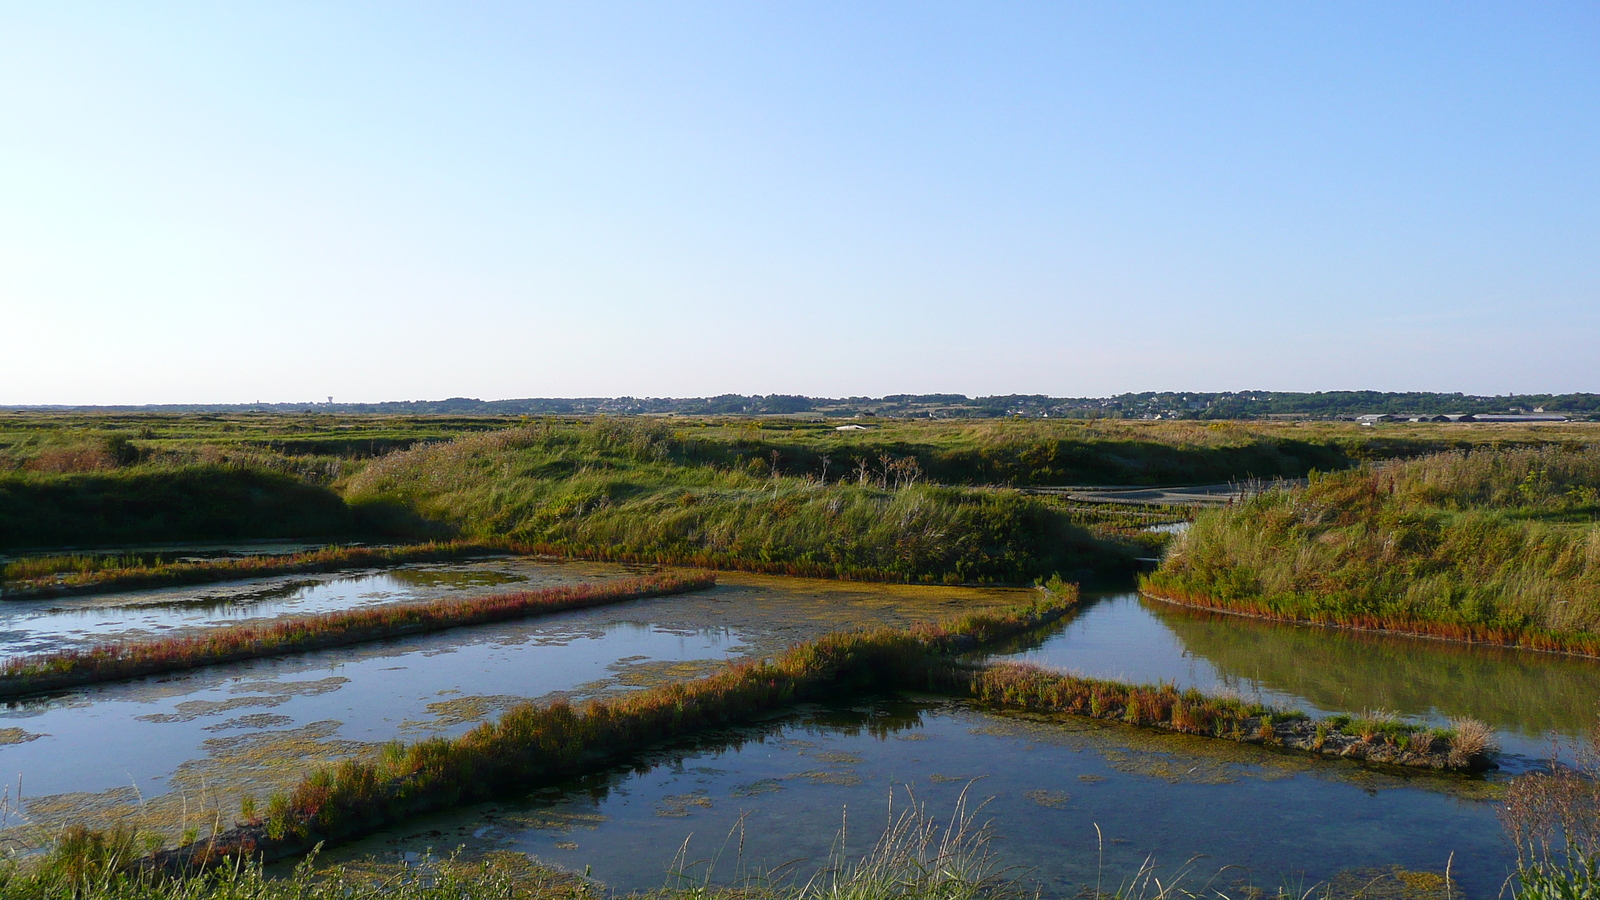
(228, 202)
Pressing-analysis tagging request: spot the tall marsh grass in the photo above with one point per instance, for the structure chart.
(75, 872)
(1493, 546)
(1553, 819)
(641, 492)
(147, 504)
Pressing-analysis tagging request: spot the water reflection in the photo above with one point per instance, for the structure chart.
(794, 781)
(144, 750)
(1525, 696)
(52, 624)
(158, 748)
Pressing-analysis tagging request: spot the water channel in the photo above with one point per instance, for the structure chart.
(182, 747)
(1044, 785)
(50, 624)
(175, 751)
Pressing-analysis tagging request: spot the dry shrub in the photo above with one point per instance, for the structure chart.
(65, 460)
(1470, 738)
(1553, 817)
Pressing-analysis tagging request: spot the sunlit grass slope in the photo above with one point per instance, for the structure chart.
(183, 503)
(1491, 545)
(633, 490)
(114, 479)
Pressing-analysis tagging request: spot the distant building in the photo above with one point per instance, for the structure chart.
(1525, 417)
(1374, 418)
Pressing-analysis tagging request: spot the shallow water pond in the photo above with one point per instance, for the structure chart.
(186, 745)
(47, 625)
(1527, 697)
(783, 790)
(179, 751)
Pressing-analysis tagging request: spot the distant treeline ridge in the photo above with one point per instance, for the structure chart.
(1166, 404)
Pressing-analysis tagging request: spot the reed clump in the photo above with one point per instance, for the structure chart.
(55, 575)
(1374, 737)
(1494, 546)
(76, 868)
(1552, 817)
(105, 662)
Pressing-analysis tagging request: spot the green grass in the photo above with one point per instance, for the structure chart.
(149, 504)
(919, 856)
(48, 575)
(1500, 546)
(907, 500)
(642, 492)
(86, 866)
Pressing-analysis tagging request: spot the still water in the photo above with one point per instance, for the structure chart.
(179, 751)
(47, 625)
(183, 746)
(783, 790)
(1528, 698)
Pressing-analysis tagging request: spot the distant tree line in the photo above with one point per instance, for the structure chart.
(1149, 404)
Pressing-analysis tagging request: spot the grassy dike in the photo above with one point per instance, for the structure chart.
(1491, 546)
(130, 659)
(913, 501)
(85, 573)
(142, 504)
(632, 491)
(1464, 746)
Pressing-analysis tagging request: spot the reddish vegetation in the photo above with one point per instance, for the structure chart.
(292, 635)
(1527, 638)
(1165, 707)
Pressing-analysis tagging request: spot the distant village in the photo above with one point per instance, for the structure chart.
(1367, 407)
